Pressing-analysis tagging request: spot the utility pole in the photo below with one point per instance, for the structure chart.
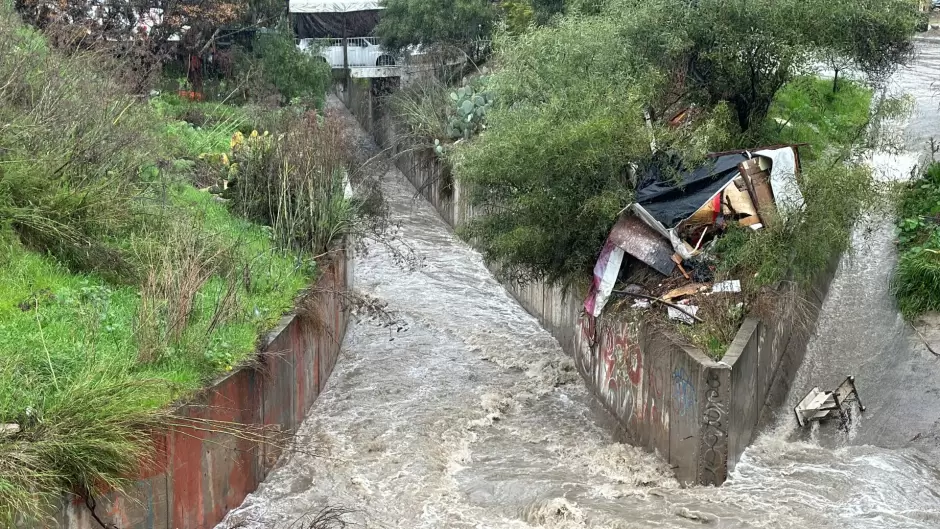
(345, 56)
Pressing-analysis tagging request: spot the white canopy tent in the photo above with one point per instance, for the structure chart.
(333, 6)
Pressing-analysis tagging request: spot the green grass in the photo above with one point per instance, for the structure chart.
(807, 110)
(197, 127)
(82, 316)
(916, 281)
(122, 287)
(69, 351)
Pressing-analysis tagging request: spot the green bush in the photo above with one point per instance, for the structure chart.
(917, 276)
(295, 73)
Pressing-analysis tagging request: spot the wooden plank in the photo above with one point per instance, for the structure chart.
(686, 290)
(738, 202)
(750, 187)
(765, 195)
(749, 221)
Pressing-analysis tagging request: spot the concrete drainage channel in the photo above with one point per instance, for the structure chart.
(697, 413)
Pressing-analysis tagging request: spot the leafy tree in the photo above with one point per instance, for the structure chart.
(869, 37)
(743, 51)
(295, 74)
(459, 24)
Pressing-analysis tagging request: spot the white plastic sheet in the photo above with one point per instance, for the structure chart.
(605, 275)
(787, 193)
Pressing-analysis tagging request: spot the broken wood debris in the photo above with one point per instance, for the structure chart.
(684, 310)
(683, 291)
(680, 213)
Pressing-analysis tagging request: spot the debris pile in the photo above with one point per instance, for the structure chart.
(660, 245)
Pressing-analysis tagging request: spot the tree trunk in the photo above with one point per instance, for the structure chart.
(742, 110)
(835, 82)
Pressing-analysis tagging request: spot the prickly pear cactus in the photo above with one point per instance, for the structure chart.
(471, 104)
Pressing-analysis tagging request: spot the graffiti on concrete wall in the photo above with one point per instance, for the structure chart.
(586, 345)
(620, 365)
(714, 433)
(655, 394)
(611, 358)
(683, 392)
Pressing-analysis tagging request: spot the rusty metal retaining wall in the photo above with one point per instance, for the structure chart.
(198, 476)
(697, 413)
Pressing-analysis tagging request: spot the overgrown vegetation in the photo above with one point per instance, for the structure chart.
(295, 74)
(294, 182)
(918, 271)
(581, 104)
(122, 286)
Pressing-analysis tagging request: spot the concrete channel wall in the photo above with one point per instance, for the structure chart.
(199, 475)
(697, 413)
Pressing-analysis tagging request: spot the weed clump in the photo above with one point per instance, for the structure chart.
(293, 181)
(918, 271)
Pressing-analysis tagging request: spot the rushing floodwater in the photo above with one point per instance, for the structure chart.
(465, 413)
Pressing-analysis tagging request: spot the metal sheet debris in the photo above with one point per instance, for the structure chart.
(642, 242)
(784, 167)
(605, 275)
(676, 207)
(822, 405)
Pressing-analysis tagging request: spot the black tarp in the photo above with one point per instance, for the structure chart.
(335, 25)
(673, 194)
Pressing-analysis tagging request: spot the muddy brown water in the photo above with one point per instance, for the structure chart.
(466, 413)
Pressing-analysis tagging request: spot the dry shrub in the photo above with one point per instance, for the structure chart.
(135, 63)
(787, 304)
(330, 517)
(177, 271)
